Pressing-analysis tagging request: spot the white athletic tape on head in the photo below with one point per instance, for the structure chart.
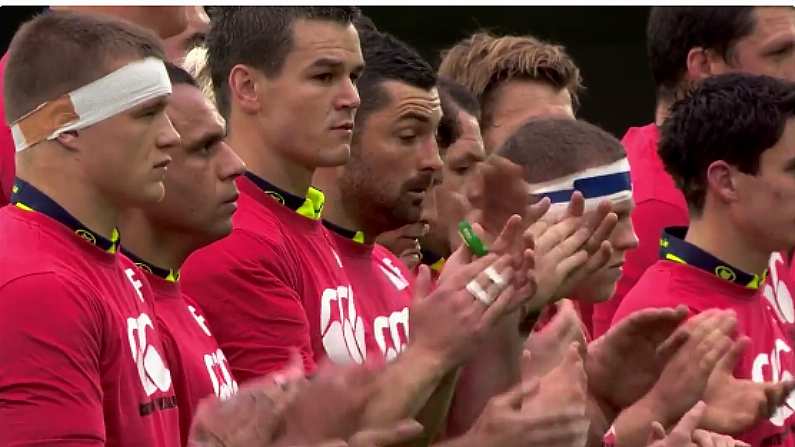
(121, 90)
(607, 182)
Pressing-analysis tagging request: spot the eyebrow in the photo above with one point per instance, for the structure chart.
(156, 103)
(411, 115)
(329, 62)
(209, 138)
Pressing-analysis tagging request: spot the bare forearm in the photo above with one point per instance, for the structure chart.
(405, 386)
(493, 370)
(633, 425)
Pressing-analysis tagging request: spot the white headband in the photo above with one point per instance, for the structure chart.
(608, 182)
(97, 101)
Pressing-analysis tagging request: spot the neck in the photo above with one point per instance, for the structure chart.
(264, 161)
(335, 210)
(60, 180)
(726, 243)
(162, 248)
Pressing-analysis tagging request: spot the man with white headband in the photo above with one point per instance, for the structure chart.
(85, 97)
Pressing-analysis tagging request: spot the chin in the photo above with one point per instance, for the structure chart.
(150, 194)
(336, 156)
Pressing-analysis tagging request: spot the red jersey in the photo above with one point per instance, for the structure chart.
(274, 284)
(82, 359)
(198, 365)
(7, 150)
(658, 204)
(382, 288)
(759, 315)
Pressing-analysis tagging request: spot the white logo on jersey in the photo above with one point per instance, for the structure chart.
(152, 370)
(777, 293)
(224, 386)
(395, 320)
(137, 285)
(200, 320)
(343, 339)
(393, 273)
(336, 256)
(776, 375)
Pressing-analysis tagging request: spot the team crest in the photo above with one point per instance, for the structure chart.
(87, 235)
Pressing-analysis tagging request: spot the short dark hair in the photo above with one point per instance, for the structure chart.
(454, 98)
(260, 37)
(549, 148)
(57, 52)
(178, 75)
(388, 58)
(732, 117)
(673, 31)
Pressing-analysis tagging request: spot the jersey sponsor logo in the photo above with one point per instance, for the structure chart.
(152, 369)
(391, 325)
(394, 274)
(768, 367)
(343, 338)
(776, 291)
(136, 283)
(199, 320)
(224, 386)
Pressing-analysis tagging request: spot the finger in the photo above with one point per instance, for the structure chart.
(514, 397)
(690, 420)
(729, 361)
(671, 346)
(537, 210)
(703, 439)
(403, 431)
(506, 303)
(509, 235)
(576, 206)
(602, 230)
(422, 284)
(777, 393)
(657, 432)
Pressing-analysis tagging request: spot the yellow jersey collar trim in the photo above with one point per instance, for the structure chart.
(28, 198)
(310, 206)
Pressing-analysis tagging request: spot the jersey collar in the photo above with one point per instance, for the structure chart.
(27, 197)
(674, 248)
(355, 236)
(169, 275)
(310, 206)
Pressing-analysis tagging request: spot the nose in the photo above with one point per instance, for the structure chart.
(168, 137)
(231, 166)
(429, 157)
(624, 237)
(348, 97)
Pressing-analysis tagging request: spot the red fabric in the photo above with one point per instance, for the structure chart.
(382, 293)
(759, 315)
(658, 204)
(7, 151)
(263, 287)
(198, 365)
(76, 324)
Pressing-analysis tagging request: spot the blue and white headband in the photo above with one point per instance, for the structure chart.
(608, 182)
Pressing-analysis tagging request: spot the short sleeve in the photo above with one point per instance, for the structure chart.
(50, 385)
(249, 298)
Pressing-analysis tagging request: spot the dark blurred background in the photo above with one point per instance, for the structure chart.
(607, 42)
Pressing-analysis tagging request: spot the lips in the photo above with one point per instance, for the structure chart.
(163, 163)
(347, 125)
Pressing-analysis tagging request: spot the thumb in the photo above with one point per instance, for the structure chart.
(422, 284)
(657, 432)
(730, 359)
(690, 420)
(520, 392)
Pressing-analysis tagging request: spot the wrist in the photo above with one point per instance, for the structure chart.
(656, 409)
(427, 361)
